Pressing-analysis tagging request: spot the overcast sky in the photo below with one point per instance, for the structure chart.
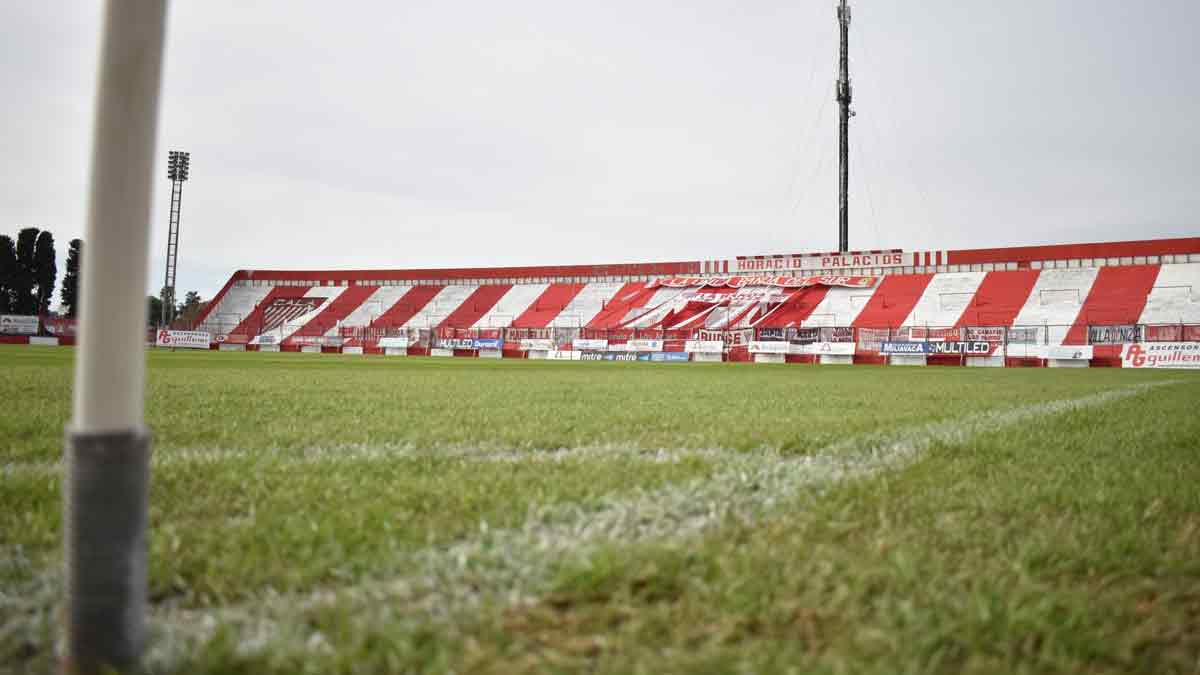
(454, 133)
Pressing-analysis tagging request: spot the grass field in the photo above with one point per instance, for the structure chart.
(330, 514)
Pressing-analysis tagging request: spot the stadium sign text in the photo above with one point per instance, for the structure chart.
(185, 339)
(831, 261)
(1161, 355)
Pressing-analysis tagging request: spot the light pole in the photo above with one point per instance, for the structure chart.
(177, 171)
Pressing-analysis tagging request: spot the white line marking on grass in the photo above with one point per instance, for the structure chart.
(517, 565)
(164, 459)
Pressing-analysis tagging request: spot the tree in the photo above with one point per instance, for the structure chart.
(154, 311)
(70, 285)
(24, 301)
(191, 306)
(8, 271)
(166, 298)
(45, 270)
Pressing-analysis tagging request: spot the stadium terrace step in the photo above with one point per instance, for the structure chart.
(1055, 301)
(236, 304)
(407, 306)
(518, 300)
(945, 299)
(799, 307)
(338, 309)
(371, 309)
(475, 305)
(632, 294)
(893, 300)
(441, 306)
(999, 298)
(1175, 297)
(268, 309)
(548, 305)
(584, 307)
(1117, 297)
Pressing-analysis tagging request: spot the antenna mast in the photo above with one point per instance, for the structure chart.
(843, 98)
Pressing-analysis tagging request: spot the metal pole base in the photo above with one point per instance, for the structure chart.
(108, 476)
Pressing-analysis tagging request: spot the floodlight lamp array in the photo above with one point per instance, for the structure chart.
(178, 165)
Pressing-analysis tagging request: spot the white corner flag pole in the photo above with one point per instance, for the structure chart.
(107, 445)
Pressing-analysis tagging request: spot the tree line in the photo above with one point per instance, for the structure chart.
(29, 271)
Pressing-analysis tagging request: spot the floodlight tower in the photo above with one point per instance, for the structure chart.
(844, 94)
(177, 171)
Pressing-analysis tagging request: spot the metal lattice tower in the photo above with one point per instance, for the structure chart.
(177, 171)
(844, 94)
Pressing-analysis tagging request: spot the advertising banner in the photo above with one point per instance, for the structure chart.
(704, 346)
(487, 343)
(563, 355)
(781, 281)
(15, 324)
(904, 348)
(761, 347)
(184, 339)
(954, 347)
(537, 345)
(1113, 335)
(669, 357)
(644, 345)
(1069, 352)
(455, 343)
(625, 356)
(394, 342)
(1161, 355)
(772, 333)
(839, 348)
(804, 336)
(592, 356)
(594, 345)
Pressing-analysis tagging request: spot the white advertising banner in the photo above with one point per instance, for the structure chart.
(537, 345)
(394, 342)
(563, 355)
(1069, 352)
(840, 348)
(183, 339)
(265, 340)
(15, 324)
(644, 345)
(704, 346)
(593, 345)
(1161, 355)
(757, 347)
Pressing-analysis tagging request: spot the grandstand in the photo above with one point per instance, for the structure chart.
(1025, 302)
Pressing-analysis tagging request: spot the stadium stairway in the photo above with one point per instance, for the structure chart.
(548, 305)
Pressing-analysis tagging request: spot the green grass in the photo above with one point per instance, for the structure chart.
(1066, 544)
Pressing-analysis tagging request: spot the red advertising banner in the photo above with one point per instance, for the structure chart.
(781, 281)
